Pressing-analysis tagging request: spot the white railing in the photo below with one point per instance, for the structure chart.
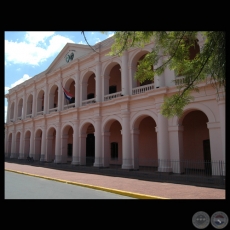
(179, 80)
(40, 113)
(142, 89)
(29, 115)
(72, 105)
(112, 96)
(53, 110)
(89, 101)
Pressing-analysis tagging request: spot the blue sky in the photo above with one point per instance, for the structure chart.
(29, 53)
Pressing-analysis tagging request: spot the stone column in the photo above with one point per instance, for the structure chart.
(216, 148)
(126, 142)
(98, 82)
(135, 148)
(75, 158)
(106, 149)
(83, 148)
(98, 143)
(24, 105)
(106, 86)
(83, 92)
(46, 96)
(34, 113)
(60, 95)
(124, 74)
(159, 81)
(31, 153)
(43, 153)
(8, 111)
(221, 105)
(64, 146)
(163, 143)
(77, 89)
(58, 144)
(15, 108)
(37, 149)
(21, 154)
(176, 148)
(13, 144)
(6, 140)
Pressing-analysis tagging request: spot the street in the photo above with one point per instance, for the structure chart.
(18, 186)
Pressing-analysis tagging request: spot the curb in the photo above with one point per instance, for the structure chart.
(116, 191)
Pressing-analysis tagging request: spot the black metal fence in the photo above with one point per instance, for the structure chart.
(200, 173)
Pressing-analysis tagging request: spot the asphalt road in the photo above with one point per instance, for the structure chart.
(18, 186)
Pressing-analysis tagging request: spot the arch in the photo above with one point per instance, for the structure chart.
(20, 108)
(65, 128)
(40, 100)
(29, 104)
(50, 129)
(53, 96)
(137, 117)
(67, 82)
(134, 57)
(27, 133)
(139, 55)
(87, 142)
(108, 67)
(86, 74)
(195, 132)
(88, 85)
(194, 106)
(67, 142)
(84, 125)
(12, 110)
(38, 132)
(69, 85)
(109, 120)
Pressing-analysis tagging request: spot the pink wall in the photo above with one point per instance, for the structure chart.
(115, 136)
(147, 142)
(115, 77)
(91, 85)
(195, 131)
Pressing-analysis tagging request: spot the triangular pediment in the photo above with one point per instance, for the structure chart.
(69, 53)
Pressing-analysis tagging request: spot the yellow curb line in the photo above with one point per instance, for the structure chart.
(120, 192)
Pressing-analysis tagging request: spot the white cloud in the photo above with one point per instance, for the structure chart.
(92, 33)
(98, 40)
(110, 35)
(24, 78)
(5, 111)
(29, 52)
(36, 37)
(6, 89)
(81, 42)
(18, 69)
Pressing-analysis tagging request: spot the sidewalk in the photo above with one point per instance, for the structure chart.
(125, 186)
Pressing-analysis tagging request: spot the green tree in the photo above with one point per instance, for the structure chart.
(179, 51)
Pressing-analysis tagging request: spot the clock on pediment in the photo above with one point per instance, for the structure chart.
(69, 56)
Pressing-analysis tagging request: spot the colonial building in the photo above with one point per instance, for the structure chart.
(113, 118)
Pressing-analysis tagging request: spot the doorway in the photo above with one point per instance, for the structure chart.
(90, 149)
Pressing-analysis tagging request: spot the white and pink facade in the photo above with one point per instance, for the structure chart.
(114, 118)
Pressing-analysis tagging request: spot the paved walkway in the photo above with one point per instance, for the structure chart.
(130, 187)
